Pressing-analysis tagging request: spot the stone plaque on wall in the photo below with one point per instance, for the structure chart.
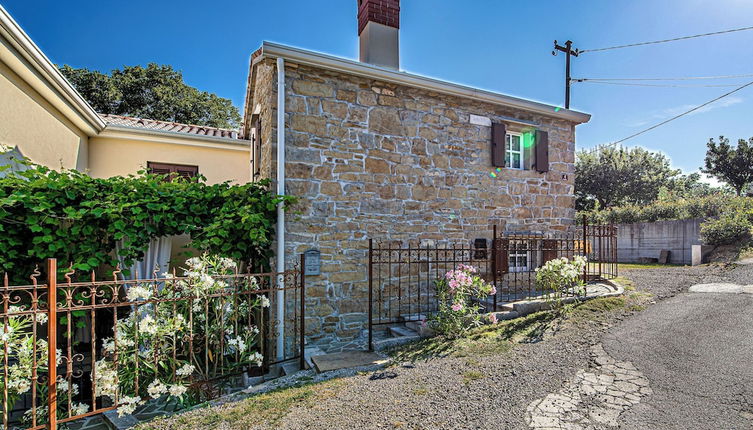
(313, 262)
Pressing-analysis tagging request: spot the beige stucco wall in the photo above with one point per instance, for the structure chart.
(110, 156)
(32, 124)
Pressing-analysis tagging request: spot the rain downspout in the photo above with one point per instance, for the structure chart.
(280, 266)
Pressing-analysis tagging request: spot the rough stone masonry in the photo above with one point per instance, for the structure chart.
(371, 159)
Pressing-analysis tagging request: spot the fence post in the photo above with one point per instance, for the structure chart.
(52, 269)
(495, 250)
(303, 312)
(585, 247)
(371, 305)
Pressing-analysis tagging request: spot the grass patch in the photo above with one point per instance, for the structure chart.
(635, 266)
(264, 410)
(471, 375)
(420, 391)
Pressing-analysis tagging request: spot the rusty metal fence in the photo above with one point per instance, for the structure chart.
(75, 349)
(401, 278)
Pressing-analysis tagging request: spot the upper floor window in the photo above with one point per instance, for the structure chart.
(174, 170)
(514, 154)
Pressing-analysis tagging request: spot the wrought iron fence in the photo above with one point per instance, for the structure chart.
(401, 278)
(75, 349)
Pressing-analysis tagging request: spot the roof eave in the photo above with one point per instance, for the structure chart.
(312, 58)
(196, 139)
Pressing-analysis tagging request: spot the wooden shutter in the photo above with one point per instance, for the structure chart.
(542, 151)
(174, 170)
(498, 145)
(550, 250)
(502, 255)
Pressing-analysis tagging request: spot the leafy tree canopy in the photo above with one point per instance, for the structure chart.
(613, 176)
(731, 165)
(153, 92)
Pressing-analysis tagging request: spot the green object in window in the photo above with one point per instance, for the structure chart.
(529, 139)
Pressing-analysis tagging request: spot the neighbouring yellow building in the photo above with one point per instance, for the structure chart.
(43, 118)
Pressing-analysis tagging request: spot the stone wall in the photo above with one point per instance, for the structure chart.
(371, 159)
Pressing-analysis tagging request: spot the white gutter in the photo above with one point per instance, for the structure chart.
(280, 266)
(342, 65)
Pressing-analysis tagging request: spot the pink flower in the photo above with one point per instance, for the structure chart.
(457, 306)
(453, 284)
(493, 318)
(493, 291)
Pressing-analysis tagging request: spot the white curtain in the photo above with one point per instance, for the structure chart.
(156, 256)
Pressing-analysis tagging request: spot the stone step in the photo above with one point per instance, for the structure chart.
(506, 315)
(489, 304)
(412, 317)
(423, 330)
(311, 351)
(401, 331)
(390, 342)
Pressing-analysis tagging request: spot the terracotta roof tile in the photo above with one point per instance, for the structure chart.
(152, 124)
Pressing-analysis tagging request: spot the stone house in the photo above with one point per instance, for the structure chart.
(374, 152)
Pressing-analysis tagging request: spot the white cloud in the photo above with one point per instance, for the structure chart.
(659, 115)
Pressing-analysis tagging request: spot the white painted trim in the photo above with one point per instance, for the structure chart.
(512, 151)
(175, 138)
(69, 100)
(301, 56)
(280, 267)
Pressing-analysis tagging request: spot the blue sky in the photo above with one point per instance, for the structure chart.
(503, 46)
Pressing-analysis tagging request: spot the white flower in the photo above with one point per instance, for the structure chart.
(138, 292)
(41, 318)
(128, 405)
(79, 408)
(15, 309)
(254, 283)
(156, 389)
(258, 358)
(106, 379)
(177, 390)
(148, 326)
(264, 301)
(6, 335)
(254, 330)
(186, 370)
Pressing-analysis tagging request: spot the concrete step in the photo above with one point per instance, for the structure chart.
(412, 317)
(390, 342)
(311, 351)
(400, 331)
(488, 303)
(423, 330)
(506, 315)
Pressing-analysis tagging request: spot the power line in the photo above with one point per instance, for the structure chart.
(656, 85)
(682, 78)
(666, 40)
(680, 115)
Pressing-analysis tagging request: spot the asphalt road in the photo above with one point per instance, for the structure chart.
(696, 349)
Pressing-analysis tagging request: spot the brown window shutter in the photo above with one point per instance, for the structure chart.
(542, 151)
(174, 170)
(498, 145)
(502, 255)
(550, 250)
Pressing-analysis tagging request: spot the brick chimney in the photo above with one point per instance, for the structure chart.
(378, 28)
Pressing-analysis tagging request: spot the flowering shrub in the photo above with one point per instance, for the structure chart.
(455, 293)
(560, 275)
(151, 343)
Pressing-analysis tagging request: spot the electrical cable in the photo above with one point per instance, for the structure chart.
(665, 40)
(658, 85)
(680, 115)
(683, 78)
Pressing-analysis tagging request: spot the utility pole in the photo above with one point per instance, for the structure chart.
(567, 49)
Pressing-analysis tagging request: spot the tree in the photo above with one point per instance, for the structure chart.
(612, 176)
(733, 166)
(153, 92)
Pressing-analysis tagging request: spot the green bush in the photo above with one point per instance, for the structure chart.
(78, 219)
(728, 229)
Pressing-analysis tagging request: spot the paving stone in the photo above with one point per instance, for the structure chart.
(579, 406)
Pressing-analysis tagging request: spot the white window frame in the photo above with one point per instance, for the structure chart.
(509, 152)
(519, 255)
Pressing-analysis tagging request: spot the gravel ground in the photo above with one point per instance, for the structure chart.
(435, 393)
